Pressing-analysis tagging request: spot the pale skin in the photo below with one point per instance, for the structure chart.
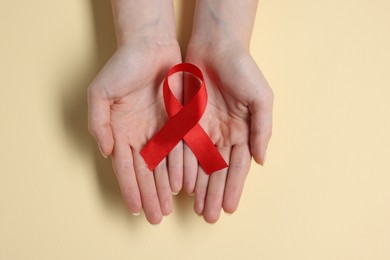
(126, 107)
(239, 113)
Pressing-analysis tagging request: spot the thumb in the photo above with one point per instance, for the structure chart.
(261, 126)
(99, 122)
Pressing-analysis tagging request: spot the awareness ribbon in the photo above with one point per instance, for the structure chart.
(183, 124)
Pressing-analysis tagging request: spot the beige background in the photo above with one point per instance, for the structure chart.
(323, 193)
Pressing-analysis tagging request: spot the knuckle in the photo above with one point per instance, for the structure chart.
(162, 166)
(141, 170)
(91, 91)
(270, 133)
(267, 96)
(92, 129)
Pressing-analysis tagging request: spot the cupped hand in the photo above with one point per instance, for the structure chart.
(125, 110)
(238, 119)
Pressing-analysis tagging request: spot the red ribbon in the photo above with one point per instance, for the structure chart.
(183, 124)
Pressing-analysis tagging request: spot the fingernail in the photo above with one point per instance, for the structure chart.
(136, 213)
(192, 194)
(101, 151)
(175, 193)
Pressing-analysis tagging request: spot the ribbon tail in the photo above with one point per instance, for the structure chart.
(204, 149)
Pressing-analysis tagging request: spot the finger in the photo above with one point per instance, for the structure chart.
(175, 168)
(239, 165)
(190, 170)
(147, 187)
(122, 160)
(99, 121)
(175, 157)
(200, 191)
(163, 188)
(215, 190)
(261, 125)
(190, 161)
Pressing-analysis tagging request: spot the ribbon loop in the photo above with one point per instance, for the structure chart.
(183, 124)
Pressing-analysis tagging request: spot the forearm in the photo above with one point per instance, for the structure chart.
(224, 20)
(148, 18)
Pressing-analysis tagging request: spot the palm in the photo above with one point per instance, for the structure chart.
(137, 115)
(127, 92)
(227, 116)
(236, 92)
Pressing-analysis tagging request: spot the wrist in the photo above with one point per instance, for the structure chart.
(146, 38)
(224, 22)
(215, 52)
(151, 20)
(216, 43)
